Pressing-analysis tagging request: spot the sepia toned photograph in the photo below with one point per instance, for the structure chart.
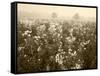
(55, 38)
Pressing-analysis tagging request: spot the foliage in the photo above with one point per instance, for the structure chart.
(56, 46)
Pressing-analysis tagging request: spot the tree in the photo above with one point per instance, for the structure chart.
(76, 16)
(54, 15)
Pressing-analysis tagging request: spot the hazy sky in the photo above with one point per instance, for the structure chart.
(47, 10)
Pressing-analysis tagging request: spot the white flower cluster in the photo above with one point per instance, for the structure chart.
(59, 58)
(27, 33)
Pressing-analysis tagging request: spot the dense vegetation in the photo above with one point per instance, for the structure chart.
(56, 45)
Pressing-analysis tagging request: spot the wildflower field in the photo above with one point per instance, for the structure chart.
(52, 45)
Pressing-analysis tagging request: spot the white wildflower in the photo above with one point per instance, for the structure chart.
(77, 66)
(39, 48)
(25, 55)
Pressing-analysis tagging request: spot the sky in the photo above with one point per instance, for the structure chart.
(31, 10)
